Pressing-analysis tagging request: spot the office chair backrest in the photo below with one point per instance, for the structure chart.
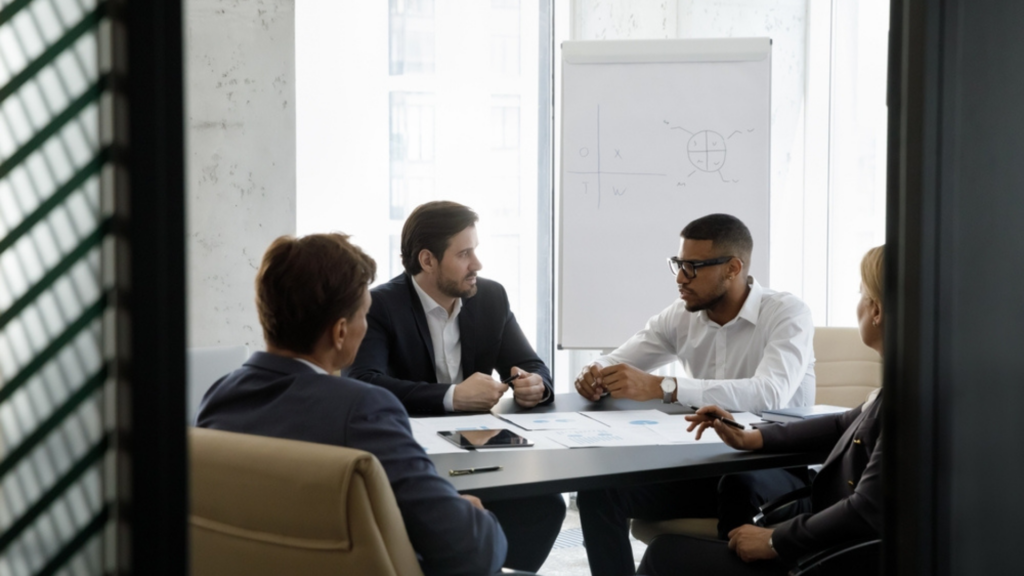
(845, 369)
(206, 366)
(263, 506)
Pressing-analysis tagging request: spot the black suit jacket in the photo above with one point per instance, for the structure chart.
(846, 494)
(276, 396)
(397, 352)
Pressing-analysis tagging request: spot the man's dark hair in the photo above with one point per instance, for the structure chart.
(729, 236)
(431, 227)
(306, 284)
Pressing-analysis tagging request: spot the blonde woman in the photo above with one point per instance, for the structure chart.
(846, 499)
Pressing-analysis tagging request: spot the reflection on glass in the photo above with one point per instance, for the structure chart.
(411, 42)
(505, 37)
(412, 151)
(456, 114)
(504, 157)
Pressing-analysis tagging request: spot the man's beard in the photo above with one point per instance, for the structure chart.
(450, 287)
(711, 301)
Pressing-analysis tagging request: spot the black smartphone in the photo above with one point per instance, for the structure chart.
(480, 439)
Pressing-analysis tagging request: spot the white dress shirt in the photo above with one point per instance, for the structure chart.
(318, 369)
(446, 341)
(762, 359)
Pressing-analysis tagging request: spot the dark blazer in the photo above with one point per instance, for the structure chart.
(398, 354)
(846, 496)
(276, 396)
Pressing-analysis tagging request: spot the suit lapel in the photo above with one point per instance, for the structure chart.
(845, 440)
(420, 317)
(467, 335)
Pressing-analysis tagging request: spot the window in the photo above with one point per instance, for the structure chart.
(412, 151)
(828, 149)
(411, 36)
(430, 100)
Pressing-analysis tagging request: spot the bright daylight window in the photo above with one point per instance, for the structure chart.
(407, 101)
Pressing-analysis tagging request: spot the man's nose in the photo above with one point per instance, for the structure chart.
(681, 277)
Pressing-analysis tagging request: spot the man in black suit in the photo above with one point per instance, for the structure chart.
(437, 333)
(312, 298)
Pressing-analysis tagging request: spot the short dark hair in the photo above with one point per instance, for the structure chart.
(304, 285)
(431, 227)
(727, 234)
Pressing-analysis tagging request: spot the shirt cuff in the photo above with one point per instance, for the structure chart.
(689, 392)
(449, 399)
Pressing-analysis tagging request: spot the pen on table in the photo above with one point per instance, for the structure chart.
(465, 471)
(732, 423)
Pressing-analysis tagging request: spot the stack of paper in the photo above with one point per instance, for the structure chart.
(559, 430)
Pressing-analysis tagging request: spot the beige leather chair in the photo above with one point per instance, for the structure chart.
(846, 372)
(266, 506)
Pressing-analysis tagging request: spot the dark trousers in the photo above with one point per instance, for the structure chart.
(605, 514)
(674, 555)
(531, 526)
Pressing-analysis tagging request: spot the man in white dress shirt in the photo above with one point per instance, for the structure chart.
(743, 346)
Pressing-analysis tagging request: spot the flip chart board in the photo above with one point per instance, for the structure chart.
(655, 133)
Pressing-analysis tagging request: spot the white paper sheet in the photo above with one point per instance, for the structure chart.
(432, 443)
(674, 431)
(424, 430)
(639, 436)
(633, 418)
(549, 421)
(470, 422)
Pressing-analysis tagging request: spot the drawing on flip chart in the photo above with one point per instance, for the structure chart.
(593, 157)
(707, 151)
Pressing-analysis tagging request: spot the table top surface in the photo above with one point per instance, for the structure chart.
(528, 472)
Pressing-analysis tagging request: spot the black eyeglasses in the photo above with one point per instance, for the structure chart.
(689, 267)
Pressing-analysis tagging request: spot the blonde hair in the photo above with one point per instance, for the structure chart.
(872, 274)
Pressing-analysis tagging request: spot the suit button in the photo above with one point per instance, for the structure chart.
(857, 441)
(850, 482)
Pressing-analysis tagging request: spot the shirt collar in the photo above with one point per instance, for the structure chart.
(751, 306)
(318, 369)
(429, 304)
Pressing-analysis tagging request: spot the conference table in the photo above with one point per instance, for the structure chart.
(530, 472)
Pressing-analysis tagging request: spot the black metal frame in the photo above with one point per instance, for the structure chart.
(149, 123)
(910, 369)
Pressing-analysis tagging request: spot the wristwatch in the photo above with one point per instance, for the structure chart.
(668, 387)
(770, 544)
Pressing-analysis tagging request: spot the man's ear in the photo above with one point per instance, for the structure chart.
(338, 332)
(735, 267)
(427, 260)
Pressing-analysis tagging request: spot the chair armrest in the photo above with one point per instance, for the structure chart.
(857, 556)
(780, 503)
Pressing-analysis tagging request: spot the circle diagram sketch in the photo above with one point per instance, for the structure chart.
(707, 151)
